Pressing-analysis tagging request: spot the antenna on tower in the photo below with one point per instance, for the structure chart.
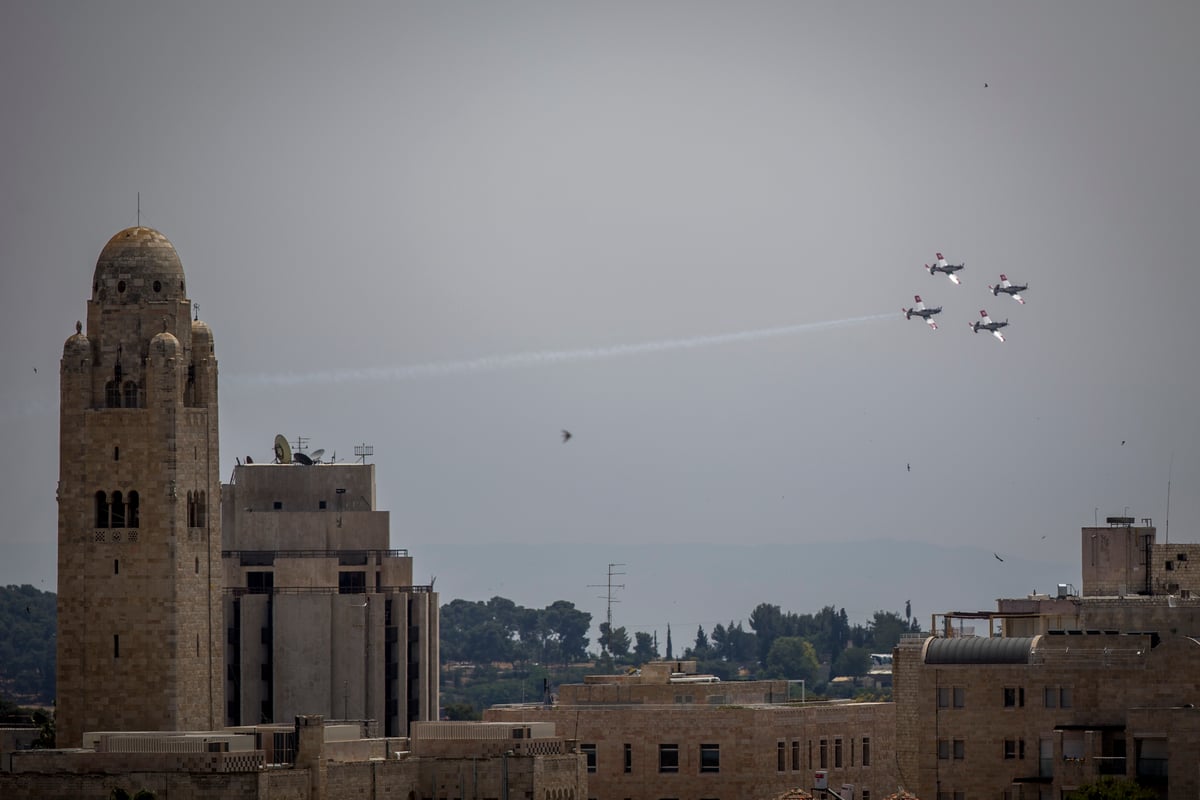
(362, 451)
(195, 311)
(608, 597)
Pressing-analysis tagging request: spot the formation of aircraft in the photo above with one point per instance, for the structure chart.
(941, 265)
(985, 323)
(1009, 289)
(919, 310)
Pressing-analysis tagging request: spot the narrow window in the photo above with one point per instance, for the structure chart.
(668, 758)
(837, 752)
(197, 565)
(116, 645)
(795, 755)
(823, 749)
(589, 750)
(628, 758)
(1010, 748)
(960, 749)
(1064, 697)
(960, 697)
(117, 511)
(866, 751)
(779, 760)
(112, 394)
(1050, 697)
(201, 509)
(710, 758)
(197, 645)
(943, 749)
(131, 394)
(134, 510)
(101, 510)
(943, 697)
(191, 510)
(116, 567)
(1010, 697)
(116, 453)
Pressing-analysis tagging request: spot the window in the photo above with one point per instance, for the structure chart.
(960, 697)
(668, 758)
(823, 750)
(943, 747)
(101, 510)
(321, 504)
(837, 752)
(117, 511)
(589, 750)
(352, 582)
(960, 750)
(1010, 749)
(116, 454)
(1064, 697)
(134, 516)
(779, 760)
(112, 394)
(116, 567)
(131, 394)
(795, 755)
(866, 752)
(1014, 697)
(1050, 697)
(116, 645)
(943, 697)
(628, 758)
(260, 582)
(710, 758)
(866, 794)
(277, 505)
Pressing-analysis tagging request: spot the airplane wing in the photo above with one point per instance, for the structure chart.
(920, 306)
(932, 324)
(1016, 296)
(1004, 281)
(998, 335)
(986, 319)
(953, 278)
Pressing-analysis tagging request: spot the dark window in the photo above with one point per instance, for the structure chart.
(1050, 697)
(628, 758)
(943, 697)
(960, 697)
(1014, 697)
(866, 751)
(668, 758)
(589, 750)
(278, 505)
(116, 454)
(780, 765)
(112, 394)
(837, 752)
(1010, 748)
(960, 749)
(710, 758)
(116, 645)
(260, 582)
(118, 510)
(823, 750)
(1064, 697)
(197, 565)
(943, 749)
(158, 286)
(795, 755)
(116, 567)
(134, 510)
(321, 505)
(352, 582)
(101, 510)
(131, 395)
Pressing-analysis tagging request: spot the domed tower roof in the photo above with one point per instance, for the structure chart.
(77, 344)
(165, 345)
(202, 338)
(140, 261)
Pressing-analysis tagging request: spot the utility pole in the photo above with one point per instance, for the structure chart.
(608, 597)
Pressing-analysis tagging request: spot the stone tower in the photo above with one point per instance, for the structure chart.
(139, 531)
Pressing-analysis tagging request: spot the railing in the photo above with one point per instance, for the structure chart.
(239, 591)
(240, 554)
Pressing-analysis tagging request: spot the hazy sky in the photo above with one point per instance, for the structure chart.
(450, 230)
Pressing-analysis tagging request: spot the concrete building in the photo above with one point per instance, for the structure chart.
(1050, 692)
(668, 732)
(321, 616)
(139, 544)
(307, 760)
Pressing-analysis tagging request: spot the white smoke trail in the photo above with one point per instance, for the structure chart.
(538, 357)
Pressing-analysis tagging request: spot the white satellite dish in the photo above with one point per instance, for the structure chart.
(283, 450)
(315, 455)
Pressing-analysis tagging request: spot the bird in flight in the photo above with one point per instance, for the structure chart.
(998, 558)
(566, 434)
(909, 467)
(1122, 443)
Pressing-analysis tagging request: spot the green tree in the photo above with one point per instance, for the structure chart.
(644, 649)
(886, 628)
(1109, 788)
(460, 711)
(670, 650)
(614, 641)
(794, 658)
(701, 649)
(767, 622)
(854, 662)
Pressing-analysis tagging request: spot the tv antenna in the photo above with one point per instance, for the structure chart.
(362, 451)
(608, 596)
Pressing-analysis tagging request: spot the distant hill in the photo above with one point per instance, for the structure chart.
(28, 620)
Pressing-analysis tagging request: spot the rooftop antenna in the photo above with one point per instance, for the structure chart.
(301, 443)
(195, 311)
(1171, 467)
(362, 451)
(139, 209)
(609, 595)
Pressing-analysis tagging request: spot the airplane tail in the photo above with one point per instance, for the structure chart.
(929, 269)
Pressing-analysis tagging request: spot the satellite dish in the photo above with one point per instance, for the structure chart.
(301, 458)
(283, 450)
(316, 454)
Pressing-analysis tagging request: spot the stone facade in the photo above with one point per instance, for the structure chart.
(669, 733)
(320, 616)
(139, 543)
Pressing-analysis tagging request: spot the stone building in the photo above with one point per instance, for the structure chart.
(321, 616)
(668, 732)
(139, 541)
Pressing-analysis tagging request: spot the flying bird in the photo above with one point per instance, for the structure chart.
(35, 370)
(908, 467)
(1122, 443)
(566, 434)
(998, 558)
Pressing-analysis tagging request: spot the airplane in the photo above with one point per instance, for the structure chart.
(986, 324)
(921, 311)
(943, 266)
(1009, 289)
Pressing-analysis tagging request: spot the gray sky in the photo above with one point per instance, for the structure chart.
(449, 230)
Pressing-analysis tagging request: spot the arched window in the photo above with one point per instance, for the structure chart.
(101, 510)
(133, 515)
(201, 509)
(112, 394)
(191, 510)
(131, 395)
(118, 510)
